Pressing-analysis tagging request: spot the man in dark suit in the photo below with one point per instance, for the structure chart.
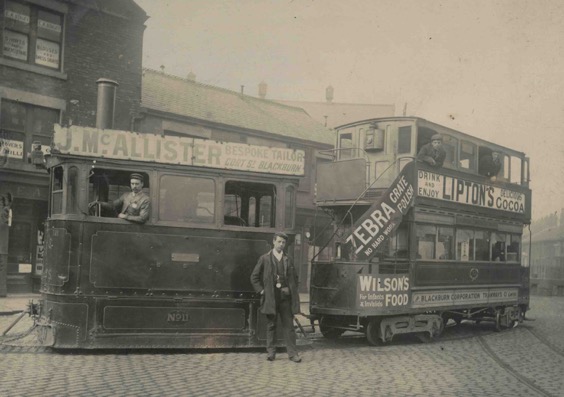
(275, 279)
(490, 165)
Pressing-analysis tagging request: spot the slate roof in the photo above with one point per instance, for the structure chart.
(342, 113)
(175, 95)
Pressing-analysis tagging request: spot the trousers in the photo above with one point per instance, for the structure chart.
(284, 310)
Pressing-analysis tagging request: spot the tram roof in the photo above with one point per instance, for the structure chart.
(428, 123)
(175, 95)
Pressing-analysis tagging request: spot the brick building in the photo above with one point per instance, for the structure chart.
(52, 54)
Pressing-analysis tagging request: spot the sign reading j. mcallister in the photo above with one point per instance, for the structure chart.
(84, 141)
(442, 187)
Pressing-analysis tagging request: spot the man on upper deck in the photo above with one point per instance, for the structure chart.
(134, 206)
(433, 152)
(490, 165)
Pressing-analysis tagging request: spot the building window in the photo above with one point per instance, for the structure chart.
(32, 34)
(21, 124)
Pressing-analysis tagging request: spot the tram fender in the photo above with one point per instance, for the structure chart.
(68, 322)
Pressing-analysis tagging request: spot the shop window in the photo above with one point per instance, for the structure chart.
(186, 199)
(21, 124)
(32, 34)
(249, 204)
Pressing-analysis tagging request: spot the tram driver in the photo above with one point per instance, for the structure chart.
(133, 206)
(433, 152)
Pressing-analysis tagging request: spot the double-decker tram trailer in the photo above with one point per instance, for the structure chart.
(181, 279)
(416, 242)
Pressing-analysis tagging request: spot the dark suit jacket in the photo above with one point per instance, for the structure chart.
(428, 152)
(262, 278)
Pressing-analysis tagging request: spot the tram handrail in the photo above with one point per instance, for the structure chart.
(355, 202)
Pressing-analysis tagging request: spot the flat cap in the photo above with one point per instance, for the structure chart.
(437, 137)
(137, 176)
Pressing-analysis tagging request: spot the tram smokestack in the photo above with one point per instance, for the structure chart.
(106, 103)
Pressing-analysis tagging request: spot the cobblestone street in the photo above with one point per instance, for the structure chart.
(469, 360)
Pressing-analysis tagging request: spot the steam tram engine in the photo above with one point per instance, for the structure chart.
(416, 244)
(179, 280)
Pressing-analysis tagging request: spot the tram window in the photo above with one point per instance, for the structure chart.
(249, 204)
(57, 191)
(404, 140)
(468, 152)
(380, 167)
(498, 243)
(109, 185)
(445, 245)
(345, 146)
(514, 248)
(515, 170)
(399, 247)
(186, 199)
(464, 245)
(426, 236)
(482, 248)
(72, 191)
(450, 145)
(289, 208)
(506, 167)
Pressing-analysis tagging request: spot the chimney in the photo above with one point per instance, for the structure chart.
(262, 87)
(106, 104)
(191, 76)
(329, 94)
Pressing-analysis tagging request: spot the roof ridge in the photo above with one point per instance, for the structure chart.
(242, 96)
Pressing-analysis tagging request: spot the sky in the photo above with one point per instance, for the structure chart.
(490, 68)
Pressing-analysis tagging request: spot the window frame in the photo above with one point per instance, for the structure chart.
(34, 34)
(26, 132)
(243, 216)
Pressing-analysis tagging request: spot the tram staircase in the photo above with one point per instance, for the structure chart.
(384, 216)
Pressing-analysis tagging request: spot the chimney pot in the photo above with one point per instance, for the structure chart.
(262, 88)
(329, 94)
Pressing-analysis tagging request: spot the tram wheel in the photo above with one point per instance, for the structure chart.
(328, 331)
(373, 332)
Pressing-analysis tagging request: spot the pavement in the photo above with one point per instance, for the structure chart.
(15, 303)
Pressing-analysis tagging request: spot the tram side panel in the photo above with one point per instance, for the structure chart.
(139, 289)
